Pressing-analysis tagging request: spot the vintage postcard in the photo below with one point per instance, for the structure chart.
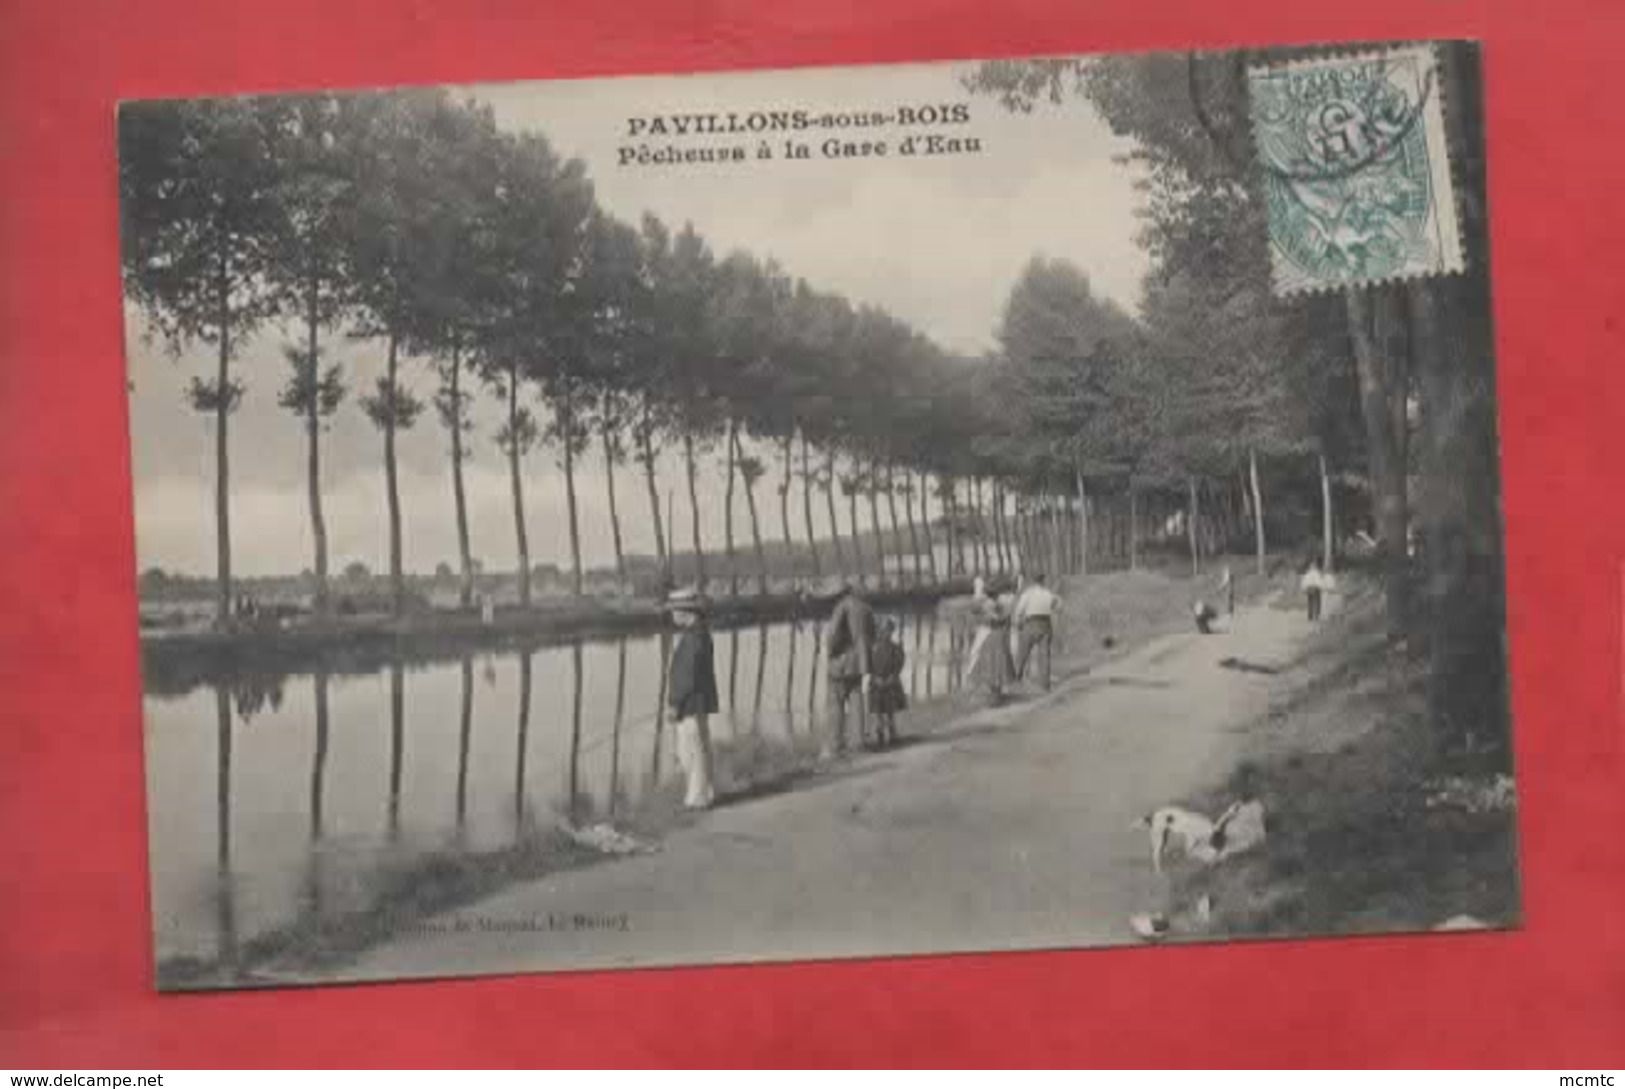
(817, 514)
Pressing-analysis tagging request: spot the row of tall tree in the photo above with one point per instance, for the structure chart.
(479, 259)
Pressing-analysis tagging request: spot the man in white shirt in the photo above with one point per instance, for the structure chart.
(1036, 611)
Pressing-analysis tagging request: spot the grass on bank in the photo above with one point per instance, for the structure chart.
(1372, 827)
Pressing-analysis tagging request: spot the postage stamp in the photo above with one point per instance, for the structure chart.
(1356, 169)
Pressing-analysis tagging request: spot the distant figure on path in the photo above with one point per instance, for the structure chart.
(1315, 583)
(692, 694)
(1036, 610)
(990, 662)
(886, 693)
(850, 639)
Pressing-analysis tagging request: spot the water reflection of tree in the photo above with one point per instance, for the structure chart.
(225, 904)
(397, 745)
(573, 795)
(318, 776)
(660, 707)
(761, 672)
(733, 674)
(318, 763)
(914, 661)
(790, 681)
(931, 656)
(615, 730)
(465, 735)
(812, 677)
(523, 743)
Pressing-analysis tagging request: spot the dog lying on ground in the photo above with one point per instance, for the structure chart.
(1238, 829)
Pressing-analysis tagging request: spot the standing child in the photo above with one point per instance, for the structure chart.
(1314, 585)
(886, 693)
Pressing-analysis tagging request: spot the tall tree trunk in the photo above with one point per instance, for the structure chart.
(916, 561)
(807, 506)
(694, 511)
(222, 452)
(647, 456)
(996, 504)
(1379, 343)
(728, 515)
(987, 512)
(567, 424)
(397, 578)
(521, 540)
(979, 516)
(1018, 529)
(1083, 521)
(755, 525)
(465, 555)
(1459, 493)
(924, 484)
(784, 506)
(1258, 508)
(956, 527)
(874, 522)
(896, 531)
(313, 439)
(1190, 518)
(1035, 528)
(1008, 548)
(988, 527)
(1057, 534)
(1133, 526)
(608, 440)
(830, 485)
(1074, 539)
(856, 541)
(1327, 533)
(1007, 521)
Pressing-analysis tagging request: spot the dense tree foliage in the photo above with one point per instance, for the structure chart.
(1390, 387)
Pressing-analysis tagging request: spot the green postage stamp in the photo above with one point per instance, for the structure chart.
(1356, 169)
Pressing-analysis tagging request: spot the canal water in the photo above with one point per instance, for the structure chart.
(305, 793)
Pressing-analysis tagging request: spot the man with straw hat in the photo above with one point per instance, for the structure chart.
(692, 693)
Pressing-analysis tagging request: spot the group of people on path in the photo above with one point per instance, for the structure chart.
(1031, 614)
(866, 662)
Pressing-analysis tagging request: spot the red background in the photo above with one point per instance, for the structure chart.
(75, 972)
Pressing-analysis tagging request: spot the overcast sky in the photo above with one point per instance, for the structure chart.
(938, 241)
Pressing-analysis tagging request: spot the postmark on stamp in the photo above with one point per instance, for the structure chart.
(1356, 171)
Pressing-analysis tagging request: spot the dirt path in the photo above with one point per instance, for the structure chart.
(1007, 829)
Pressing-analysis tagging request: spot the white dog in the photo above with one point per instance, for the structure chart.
(1238, 828)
